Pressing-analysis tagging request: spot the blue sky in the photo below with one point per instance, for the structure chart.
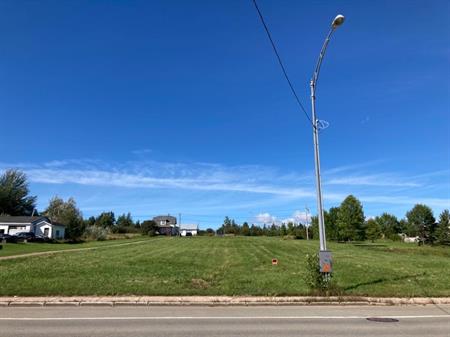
(158, 107)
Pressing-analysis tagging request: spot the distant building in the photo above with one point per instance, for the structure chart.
(188, 230)
(167, 224)
(39, 225)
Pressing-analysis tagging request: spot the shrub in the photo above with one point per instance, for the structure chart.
(318, 282)
(96, 233)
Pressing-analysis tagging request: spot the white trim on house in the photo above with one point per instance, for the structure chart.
(38, 226)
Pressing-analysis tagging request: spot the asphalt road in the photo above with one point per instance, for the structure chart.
(202, 321)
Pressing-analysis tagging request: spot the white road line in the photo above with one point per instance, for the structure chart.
(155, 318)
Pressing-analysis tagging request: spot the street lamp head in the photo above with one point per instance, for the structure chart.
(338, 21)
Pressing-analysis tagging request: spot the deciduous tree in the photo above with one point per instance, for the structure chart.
(373, 230)
(422, 221)
(67, 213)
(389, 225)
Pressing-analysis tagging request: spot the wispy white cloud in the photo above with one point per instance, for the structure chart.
(266, 182)
(373, 180)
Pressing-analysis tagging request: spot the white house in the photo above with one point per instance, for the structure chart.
(188, 230)
(39, 225)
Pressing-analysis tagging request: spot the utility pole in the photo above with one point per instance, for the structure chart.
(324, 255)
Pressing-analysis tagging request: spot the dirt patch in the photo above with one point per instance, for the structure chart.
(199, 283)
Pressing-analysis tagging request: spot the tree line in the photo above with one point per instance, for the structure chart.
(344, 223)
(348, 223)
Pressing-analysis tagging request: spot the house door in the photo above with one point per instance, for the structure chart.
(46, 230)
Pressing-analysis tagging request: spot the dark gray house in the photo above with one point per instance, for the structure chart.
(167, 224)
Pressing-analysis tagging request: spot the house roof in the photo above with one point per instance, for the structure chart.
(6, 219)
(188, 227)
(165, 217)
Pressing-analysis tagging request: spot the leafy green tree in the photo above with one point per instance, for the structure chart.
(67, 213)
(404, 227)
(350, 220)
(14, 198)
(210, 232)
(331, 227)
(125, 224)
(149, 227)
(106, 220)
(373, 230)
(422, 222)
(389, 225)
(90, 221)
(443, 229)
(300, 232)
(125, 220)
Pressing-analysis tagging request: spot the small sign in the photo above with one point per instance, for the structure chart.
(274, 262)
(326, 265)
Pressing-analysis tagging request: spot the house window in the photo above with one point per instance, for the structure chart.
(57, 234)
(46, 230)
(2, 231)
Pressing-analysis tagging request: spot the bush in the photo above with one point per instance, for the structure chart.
(126, 229)
(96, 233)
(318, 282)
(149, 228)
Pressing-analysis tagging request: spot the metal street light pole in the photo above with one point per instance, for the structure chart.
(325, 259)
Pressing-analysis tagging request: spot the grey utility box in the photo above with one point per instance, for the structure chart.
(326, 265)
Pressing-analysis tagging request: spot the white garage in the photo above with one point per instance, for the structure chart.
(188, 230)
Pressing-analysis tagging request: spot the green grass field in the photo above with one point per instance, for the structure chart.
(228, 266)
(10, 249)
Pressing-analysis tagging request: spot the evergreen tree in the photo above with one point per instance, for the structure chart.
(14, 198)
(350, 220)
(290, 228)
(125, 220)
(106, 220)
(245, 230)
(443, 229)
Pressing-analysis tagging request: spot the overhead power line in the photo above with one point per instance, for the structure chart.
(281, 63)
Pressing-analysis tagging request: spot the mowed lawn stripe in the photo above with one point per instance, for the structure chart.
(227, 266)
(13, 250)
